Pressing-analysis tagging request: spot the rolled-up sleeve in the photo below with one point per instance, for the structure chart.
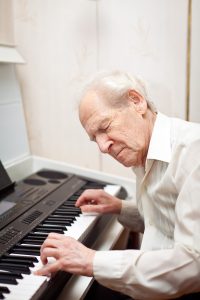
(130, 217)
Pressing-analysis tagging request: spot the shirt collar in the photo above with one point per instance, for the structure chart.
(160, 143)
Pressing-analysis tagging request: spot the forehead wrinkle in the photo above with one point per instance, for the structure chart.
(92, 112)
(94, 124)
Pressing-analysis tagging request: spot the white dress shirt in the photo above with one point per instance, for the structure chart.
(168, 205)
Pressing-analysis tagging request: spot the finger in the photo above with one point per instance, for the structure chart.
(54, 235)
(87, 196)
(48, 269)
(49, 242)
(48, 252)
(92, 208)
(51, 237)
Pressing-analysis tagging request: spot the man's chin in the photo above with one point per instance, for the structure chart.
(125, 163)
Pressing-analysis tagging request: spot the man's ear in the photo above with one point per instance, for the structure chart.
(138, 101)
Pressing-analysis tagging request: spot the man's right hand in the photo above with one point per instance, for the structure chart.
(98, 201)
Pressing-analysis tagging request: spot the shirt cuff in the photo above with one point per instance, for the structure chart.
(129, 216)
(112, 268)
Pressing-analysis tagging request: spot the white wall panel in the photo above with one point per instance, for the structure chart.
(195, 63)
(13, 137)
(6, 23)
(58, 41)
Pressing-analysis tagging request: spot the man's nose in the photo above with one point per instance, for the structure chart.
(104, 143)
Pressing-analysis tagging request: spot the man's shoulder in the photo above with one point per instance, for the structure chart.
(185, 144)
(184, 132)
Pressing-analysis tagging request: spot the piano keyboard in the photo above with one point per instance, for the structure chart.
(17, 281)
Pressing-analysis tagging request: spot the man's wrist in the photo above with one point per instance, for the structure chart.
(118, 206)
(89, 266)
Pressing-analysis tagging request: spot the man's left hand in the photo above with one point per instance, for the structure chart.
(69, 254)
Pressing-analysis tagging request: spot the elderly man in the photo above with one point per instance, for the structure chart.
(164, 153)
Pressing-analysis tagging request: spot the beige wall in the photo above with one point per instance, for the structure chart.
(194, 107)
(6, 23)
(63, 41)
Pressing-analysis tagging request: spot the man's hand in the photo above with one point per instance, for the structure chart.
(98, 201)
(70, 256)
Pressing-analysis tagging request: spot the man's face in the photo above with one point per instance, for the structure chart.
(119, 132)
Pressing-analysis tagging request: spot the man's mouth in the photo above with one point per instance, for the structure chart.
(118, 154)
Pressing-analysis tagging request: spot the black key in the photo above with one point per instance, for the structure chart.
(32, 241)
(71, 207)
(19, 261)
(69, 204)
(78, 193)
(27, 250)
(41, 227)
(52, 226)
(61, 217)
(61, 209)
(72, 202)
(20, 269)
(71, 210)
(26, 258)
(57, 228)
(4, 289)
(74, 197)
(66, 223)
(60, 212)
(41, 235)
(19, 246)
(54, 216)
(94, 185)
(58, 222)
(67, 215)
(8, 281)
(47, 229)
(9, 278)
(29, 239)
(14, 275)
(67, 219)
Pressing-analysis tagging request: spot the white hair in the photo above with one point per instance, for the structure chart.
(114, 86)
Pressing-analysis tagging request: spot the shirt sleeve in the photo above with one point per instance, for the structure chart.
(130, 217)
(166, 273)
(162, 274)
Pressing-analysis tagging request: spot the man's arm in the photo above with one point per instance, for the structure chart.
(130, 218)
(99, 201)
(161, 274)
